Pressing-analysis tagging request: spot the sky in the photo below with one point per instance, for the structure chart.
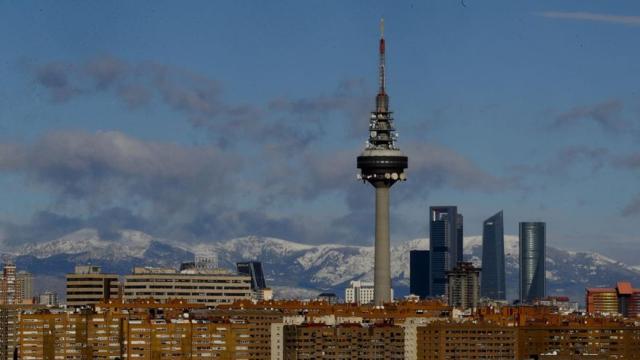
(204, 121)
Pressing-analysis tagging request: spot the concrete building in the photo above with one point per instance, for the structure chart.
(532, 261)
(463, 290)
(419, 273)
(208, 287)
(492, 279)
(89, 286)
(361, 292)
(382, 164)
(445, 245)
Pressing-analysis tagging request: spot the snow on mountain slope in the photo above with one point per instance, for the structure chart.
(129, 243)
(294, 268)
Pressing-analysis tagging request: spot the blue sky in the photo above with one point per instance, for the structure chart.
(201, 121)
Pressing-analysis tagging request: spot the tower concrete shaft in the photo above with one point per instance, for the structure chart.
(382, 265)
(382, 164)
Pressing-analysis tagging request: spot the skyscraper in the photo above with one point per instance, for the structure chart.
(492, 283)
(419, 273)
(254, 269)
(445, 245)
(460, 239)
(532, 257)
(382, 164)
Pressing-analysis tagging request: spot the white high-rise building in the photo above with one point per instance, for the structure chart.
(360, 292)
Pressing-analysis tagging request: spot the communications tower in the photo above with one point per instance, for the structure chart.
(381, 164)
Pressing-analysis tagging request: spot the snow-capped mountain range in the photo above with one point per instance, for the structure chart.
(295, 269)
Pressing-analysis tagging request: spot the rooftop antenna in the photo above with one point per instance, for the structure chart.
(382, 60)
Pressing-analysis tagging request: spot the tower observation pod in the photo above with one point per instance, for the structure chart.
(381, 164)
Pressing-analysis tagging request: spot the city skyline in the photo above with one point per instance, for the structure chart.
(210, 123)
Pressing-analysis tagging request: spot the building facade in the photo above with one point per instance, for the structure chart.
(208, 287)
(146, 331)
(419, 273)
(361, 292)
(622, 299)
(445, 246)
(441, 340)
(8, 284)
(532, 261)
(89, 286)
(586, 339)
(493, 281)
(343, 341)
(463, 290)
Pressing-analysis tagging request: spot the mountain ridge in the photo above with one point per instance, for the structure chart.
(296, 269)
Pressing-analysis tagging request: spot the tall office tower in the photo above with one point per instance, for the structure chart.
(419, 273)
(443, 246)
(463, 288)
(382, 164)
(532, 257)
(89, 286)
(492, 284)
(459, 238)
(253, 269)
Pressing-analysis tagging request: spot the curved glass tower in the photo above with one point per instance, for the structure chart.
(492, 283)
(532, 257)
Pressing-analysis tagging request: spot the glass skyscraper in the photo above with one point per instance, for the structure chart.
(445, 245)
(492, 284)
(532, 258)
(254, 269)
(419, 273)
